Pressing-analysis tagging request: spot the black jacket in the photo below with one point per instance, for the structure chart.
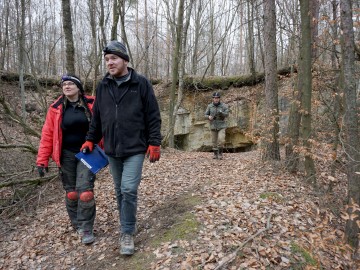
(129, 123)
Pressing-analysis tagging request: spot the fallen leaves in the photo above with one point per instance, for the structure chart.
(239, 202)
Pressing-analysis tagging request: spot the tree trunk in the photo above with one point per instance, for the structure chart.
(260, 45)
(4, 36)
(306, 77)
(351, 121)
(69, 40)
(94, 52)
(337, 94)
(251, 48)
(116, 17)
(122, 27)
(21, 36)
(314, 11)
(147, 42)
(291, 147)
(212, 39)
(175, 71)
(196, 34)
(182, 61)
(272, 151)
(292, 144)
(103, 40)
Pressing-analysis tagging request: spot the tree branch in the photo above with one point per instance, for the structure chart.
(27, 147)
(13, 115)
(229, 258)
(34, 181)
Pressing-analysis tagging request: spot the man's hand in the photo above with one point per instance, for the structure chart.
(153, 153)
(87, 147)
(42, 169)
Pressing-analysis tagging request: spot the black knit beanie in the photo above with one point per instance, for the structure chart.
(117, 48)
(74, 79)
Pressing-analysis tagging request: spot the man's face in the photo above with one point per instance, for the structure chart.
(216, 100)
(115, 65)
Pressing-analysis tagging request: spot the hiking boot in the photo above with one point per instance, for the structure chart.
(216, 154)
(127, 244)
(220, 153)
(79, 232)
(87, 237)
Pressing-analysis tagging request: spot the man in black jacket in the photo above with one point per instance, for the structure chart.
(127, 115)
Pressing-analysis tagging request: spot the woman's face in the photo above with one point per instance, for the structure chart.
(70, 90)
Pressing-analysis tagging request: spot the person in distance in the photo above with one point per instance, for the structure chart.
(216, 112)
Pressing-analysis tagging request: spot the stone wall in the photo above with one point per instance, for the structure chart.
(192, 129)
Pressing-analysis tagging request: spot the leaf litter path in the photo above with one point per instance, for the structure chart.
(236, 199)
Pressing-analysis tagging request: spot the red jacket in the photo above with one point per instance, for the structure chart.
(51, 135)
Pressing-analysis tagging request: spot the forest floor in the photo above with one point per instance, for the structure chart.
(193, 213)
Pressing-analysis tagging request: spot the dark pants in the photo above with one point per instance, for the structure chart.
(75, 176)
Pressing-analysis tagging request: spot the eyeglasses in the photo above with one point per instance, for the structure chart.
(70, 83)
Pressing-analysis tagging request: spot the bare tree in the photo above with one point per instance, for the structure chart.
(21, 36)
(337, 108)
(306, 89)
(314, 11)
(251, 39)
(103, 39)
(197, 35)
(212, 39)
(169, 138)
(182, 60)
(4, 33)
(94, 52)
(69, 40)
(116, 17)
(147, 40)
(271, 89)
(351, 122)
(293, 132)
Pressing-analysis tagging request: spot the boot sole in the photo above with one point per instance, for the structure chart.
(88, 242)
(126, 251)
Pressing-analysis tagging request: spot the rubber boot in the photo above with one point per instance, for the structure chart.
(216, 154)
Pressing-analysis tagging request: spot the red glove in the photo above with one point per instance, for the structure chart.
(87, 147)
(153, 153)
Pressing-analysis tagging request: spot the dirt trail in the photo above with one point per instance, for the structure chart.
(193, 213)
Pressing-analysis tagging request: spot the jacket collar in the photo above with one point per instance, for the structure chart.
(134, 77)
(63, 100)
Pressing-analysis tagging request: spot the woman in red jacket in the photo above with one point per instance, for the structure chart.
(63, 133)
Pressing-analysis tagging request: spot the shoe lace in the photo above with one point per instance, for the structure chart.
(127, 239)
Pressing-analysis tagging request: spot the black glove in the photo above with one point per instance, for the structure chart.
(41, 170)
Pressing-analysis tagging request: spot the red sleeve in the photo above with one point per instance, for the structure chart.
(46, 142)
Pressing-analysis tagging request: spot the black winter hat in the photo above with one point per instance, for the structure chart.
(74, 79)
(216, 94)
(117, 48)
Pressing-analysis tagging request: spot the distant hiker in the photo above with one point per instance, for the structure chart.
(63, 134)
(216, 112)
(127, 114)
